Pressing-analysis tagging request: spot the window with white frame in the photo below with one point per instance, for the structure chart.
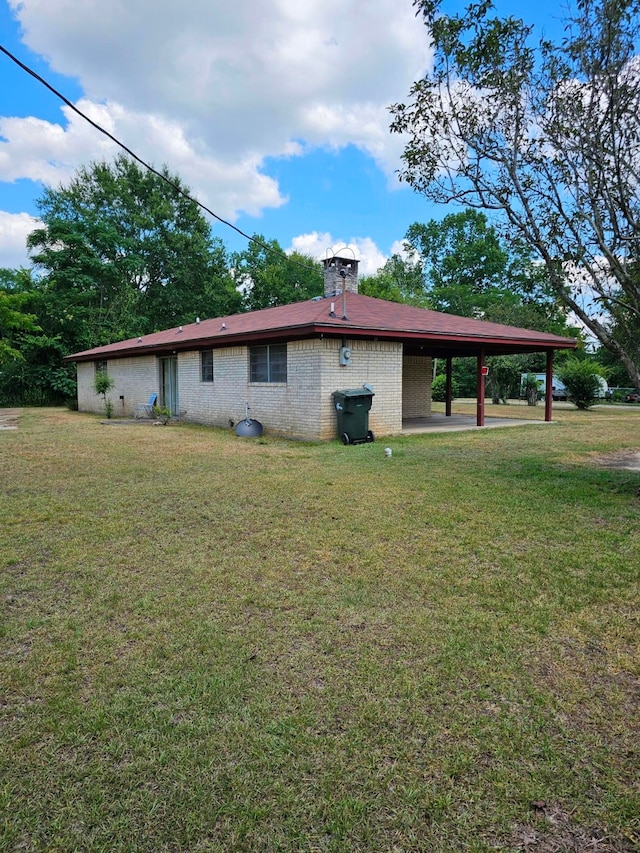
(206, 365)
(268, 363)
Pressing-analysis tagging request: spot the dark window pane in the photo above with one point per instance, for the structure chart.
(259, 363)
(278, 363)
(206, 366)
(268, 363)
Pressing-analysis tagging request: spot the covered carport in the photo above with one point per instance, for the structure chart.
(448, 349)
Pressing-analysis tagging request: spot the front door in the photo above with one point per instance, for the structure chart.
(169, 384)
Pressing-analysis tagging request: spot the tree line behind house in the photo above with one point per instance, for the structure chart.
(542, 134)
(120, 252)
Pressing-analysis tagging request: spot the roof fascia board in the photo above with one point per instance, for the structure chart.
(308, 330)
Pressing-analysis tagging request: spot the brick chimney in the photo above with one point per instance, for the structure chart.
(340, 273)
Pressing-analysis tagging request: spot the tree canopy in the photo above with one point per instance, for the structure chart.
(400, 279)
(268, 278)
(470, 271)
(13, 318)
(122, 253)
(461, 265)
(547, 136)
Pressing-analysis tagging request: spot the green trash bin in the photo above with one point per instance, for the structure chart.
(352, 407)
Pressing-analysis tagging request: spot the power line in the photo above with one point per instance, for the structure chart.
(146, 165)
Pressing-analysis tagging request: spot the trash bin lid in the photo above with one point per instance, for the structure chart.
(355, 392)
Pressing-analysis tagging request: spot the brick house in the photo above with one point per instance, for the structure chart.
(286, 362)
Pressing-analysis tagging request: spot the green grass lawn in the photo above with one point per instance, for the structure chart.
(218, 644)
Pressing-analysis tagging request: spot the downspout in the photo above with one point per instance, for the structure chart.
(548, 396)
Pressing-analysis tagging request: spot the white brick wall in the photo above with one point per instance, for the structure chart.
(378, 363)
(281, 408)
(301, 408)
(417, 375)
(136, 379)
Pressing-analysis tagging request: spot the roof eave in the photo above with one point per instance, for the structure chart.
(544, 342)
(312, 329)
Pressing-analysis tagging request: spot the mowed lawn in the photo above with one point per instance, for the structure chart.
(219, 644)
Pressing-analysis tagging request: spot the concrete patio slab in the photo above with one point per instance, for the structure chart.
(458, 423)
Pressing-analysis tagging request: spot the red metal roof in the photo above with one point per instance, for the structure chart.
(367, 317)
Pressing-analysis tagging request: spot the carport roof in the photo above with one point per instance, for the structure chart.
(428, 332)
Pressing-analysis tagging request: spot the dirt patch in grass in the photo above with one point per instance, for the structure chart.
(626, 460)
(9, 418)
(553, 831)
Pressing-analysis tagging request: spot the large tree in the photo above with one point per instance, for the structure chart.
(123, 252)
(548, 136)
(400, 279)
(31, 369)
(469, 270)
(13, 319)
(268, 277)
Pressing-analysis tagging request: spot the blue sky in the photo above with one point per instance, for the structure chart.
(275, 115)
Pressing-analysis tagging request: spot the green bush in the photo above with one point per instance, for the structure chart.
(581, 378)
(531, 389)
(439, 389)
(465, 373)
(102, 384)
(162, 413)
(25, 382)
(618, 396)
(504, 377)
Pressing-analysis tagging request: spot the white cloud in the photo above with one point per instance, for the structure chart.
(322, 245)
(44, 151)
(14, 229)
(317, 244)
(405, 251)
(213, 88)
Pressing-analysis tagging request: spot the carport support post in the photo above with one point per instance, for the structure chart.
(447, 392)
(548, 395)
(480, 387)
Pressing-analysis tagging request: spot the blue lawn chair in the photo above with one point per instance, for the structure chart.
(146, 409)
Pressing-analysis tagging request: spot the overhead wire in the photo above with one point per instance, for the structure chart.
(146, 165)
